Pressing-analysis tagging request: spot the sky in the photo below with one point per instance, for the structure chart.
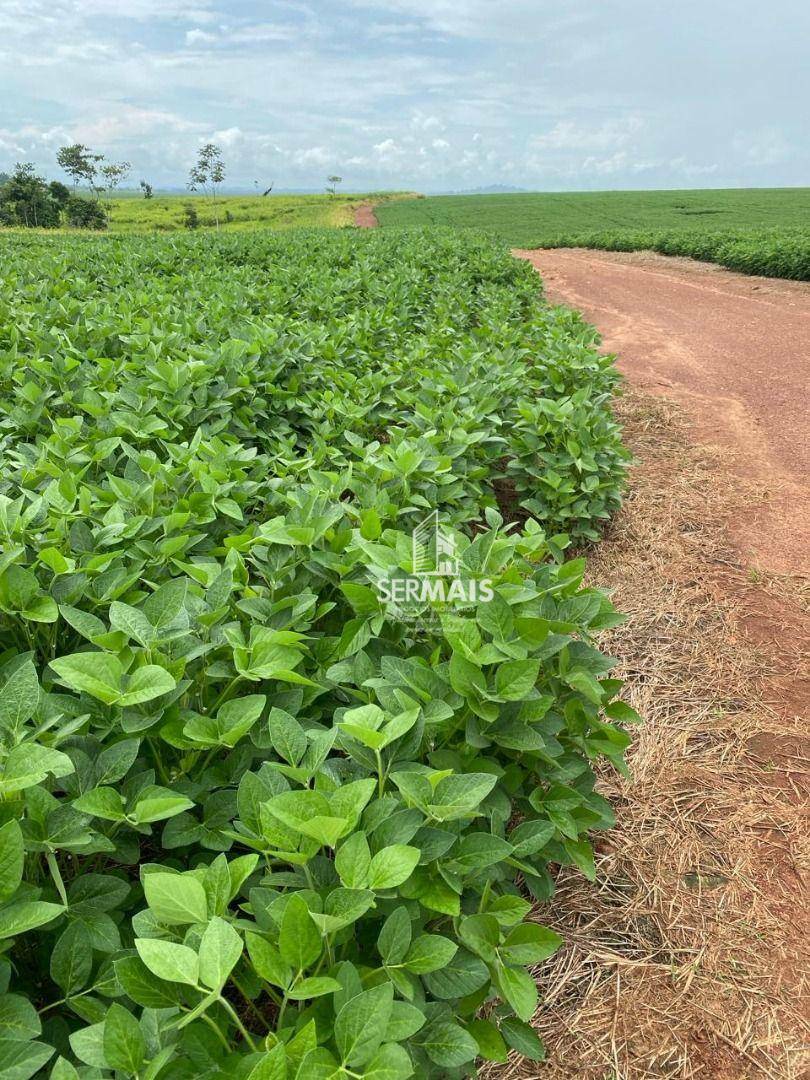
(431, 95)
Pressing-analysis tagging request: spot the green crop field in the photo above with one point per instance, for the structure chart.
(757, 231)
(257, 821)
(166, 213)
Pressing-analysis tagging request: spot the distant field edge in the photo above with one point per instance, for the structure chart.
(168, 213)
(763, 231)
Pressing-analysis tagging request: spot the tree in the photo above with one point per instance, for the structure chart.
(85, 166)
(59, 192)
(207, 173)
(146, 189)
(26, 199)
(84, 213)
(112, 173)
(332, 182)
(80, 163)
(191, 219)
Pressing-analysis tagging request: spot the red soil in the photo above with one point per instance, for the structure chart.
(734, 350)
(364, 217)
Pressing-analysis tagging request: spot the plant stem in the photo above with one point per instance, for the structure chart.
(235, 1017)
(213, 1024)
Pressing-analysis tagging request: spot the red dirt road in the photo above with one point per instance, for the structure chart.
(733, 350)
(364, 217)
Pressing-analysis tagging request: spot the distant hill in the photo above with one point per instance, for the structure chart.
(493, 189)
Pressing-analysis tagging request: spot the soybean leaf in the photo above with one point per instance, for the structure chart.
(124, 1043)
(169, 961)
(361, 1024)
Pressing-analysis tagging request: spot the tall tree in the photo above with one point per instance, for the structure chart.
(332, 183)
(81, 165)
(85, 166)
(207, 173)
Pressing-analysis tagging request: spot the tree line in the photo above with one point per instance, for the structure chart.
(31, 201)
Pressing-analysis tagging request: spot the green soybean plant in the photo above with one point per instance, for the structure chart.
(254, 823)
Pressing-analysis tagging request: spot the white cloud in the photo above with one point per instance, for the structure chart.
(421, 122)
(314, 155)
(376, 89)
(572, 135)
(228, 137)
(387, 150)
(199, 37)
(764, 146)
(249, 34)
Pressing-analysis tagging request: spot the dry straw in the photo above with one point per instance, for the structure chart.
(684, 959)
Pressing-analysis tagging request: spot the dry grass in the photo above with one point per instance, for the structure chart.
(683, 959)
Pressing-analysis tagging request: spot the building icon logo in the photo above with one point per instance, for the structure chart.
(433, 549)
(437, 580)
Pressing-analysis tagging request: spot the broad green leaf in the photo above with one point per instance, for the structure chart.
(63, 1070)
(18, 1018)
(132, 622)
(29, 764)
(583, 681)
(361, 1024)
(523, 1038)
(519, 990)
(103, 802)
(12, 858)
(318, 1064)
(19, 697)
(124, 1043)
(391, 1062)
(176, 899)
(157, 804)
(460, 976)
(272, 1066)
(72, 958)
(96, 673)
(460, 795)
(20, 1060)
(353, 861)
(267, 961)
(515, 679)
(88, 1045)
(479, 849)
(481, 934)
(299, 941)
(219, 952)
(27, 915)
(142, 986)
(530, 943)
(165, 604)
(145, 684)
(405, 1021)
(490, 1041)
(430, 952)
(171, 962)
(580, 853)
(449, 1045)
(395, 936)
(287, 736)
(391, 866)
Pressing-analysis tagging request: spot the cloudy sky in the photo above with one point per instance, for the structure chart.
(426, 94)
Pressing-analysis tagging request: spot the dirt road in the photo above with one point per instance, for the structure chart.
(705, 558)
(734, 350)
(364, 217)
